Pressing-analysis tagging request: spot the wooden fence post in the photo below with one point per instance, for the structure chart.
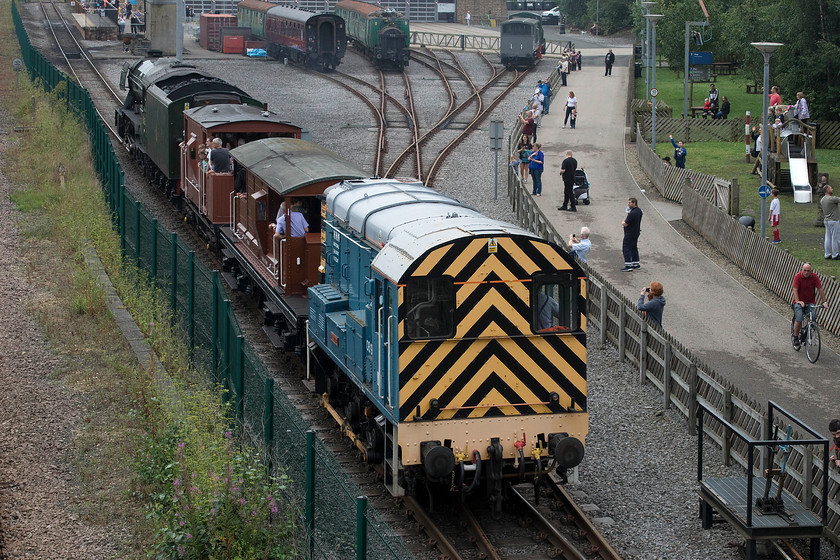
(727, 433)
(622, 336)
(808, 477)
(604, 301)
(692, 399)
(643, 352)
(666, 376)
(734, 197)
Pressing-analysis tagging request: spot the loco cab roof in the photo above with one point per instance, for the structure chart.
(208, 116)
(407, 220)
(287, 164)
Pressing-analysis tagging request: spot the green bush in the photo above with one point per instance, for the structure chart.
(209, 495)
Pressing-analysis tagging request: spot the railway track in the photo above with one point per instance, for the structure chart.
(80, 65)
(557, 529)
(285, 369)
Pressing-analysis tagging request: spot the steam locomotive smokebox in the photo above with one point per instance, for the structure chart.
(161, 18)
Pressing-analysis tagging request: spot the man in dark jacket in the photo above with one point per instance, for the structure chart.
(609, 60)
(632, 228)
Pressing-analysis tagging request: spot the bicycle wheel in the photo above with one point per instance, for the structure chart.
(793, 340)
(812, 343)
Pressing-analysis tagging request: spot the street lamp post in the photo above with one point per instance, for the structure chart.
(647, 5)
(653, 18)
(767, 50)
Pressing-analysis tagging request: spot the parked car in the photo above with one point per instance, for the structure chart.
(551, 17)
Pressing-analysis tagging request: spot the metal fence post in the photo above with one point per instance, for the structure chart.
(622, 335)
(191, 302)
(268, 422)
(604, 302)
(173, 275)
(666, 376)
(225, 358)
(692, 399)
(154, 249)
(239, 379)
(643, 352)
(309, 506)
(215, 342)
(361, 527)
(137, 232)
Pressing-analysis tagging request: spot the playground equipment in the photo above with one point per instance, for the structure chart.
(793, 144)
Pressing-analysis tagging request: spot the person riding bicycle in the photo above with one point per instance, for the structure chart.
(805, 286)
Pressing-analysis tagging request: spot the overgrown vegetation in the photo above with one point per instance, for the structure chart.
(165, 463)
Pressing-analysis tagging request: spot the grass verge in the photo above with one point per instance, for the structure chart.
(166, 475)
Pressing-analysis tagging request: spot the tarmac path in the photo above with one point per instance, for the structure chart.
(729, 328)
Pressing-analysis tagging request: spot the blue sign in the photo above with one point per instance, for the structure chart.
(764, 191)
(700, 58)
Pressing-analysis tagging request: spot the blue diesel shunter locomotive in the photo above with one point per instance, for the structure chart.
(453, 345)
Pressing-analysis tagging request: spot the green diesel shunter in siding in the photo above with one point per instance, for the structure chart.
(380, 34)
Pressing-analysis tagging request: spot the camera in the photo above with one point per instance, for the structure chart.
(647, 290)
(574, 236)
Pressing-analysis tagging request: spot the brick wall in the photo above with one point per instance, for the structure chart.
(478, 10)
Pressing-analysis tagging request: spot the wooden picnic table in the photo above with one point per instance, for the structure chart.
(754, 87)
(726, 68)
(695, 112)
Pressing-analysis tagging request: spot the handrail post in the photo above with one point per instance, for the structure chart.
(692, 399)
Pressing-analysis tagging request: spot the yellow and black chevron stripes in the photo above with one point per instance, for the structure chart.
(495, 365)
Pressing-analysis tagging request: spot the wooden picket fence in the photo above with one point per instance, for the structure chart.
(669, 180)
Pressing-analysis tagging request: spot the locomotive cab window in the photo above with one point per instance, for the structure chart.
(554, 303)
(430, 307)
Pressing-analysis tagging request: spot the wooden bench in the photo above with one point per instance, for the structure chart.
(695, 112)
(754, 88)
(724, 68)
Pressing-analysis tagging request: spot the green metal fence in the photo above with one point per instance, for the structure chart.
(328, 501)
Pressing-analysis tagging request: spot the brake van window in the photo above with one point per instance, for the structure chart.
(430, 307)
(554, 304)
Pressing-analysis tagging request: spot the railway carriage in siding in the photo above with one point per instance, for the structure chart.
(150, 123)
(454, 345)
(209, 196)
(379, 33)
(521, 40)
(318, 40)
(279, 269)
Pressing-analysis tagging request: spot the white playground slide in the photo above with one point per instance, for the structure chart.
(799, 178)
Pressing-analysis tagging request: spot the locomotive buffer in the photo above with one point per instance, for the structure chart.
(777, 514)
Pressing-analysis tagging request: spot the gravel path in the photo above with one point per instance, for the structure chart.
(39, 416)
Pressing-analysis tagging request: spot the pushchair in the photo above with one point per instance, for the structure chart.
(581, 187)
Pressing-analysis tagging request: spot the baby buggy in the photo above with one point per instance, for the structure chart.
(581, 187)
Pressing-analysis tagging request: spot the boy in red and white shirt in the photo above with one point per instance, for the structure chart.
(775, 213)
